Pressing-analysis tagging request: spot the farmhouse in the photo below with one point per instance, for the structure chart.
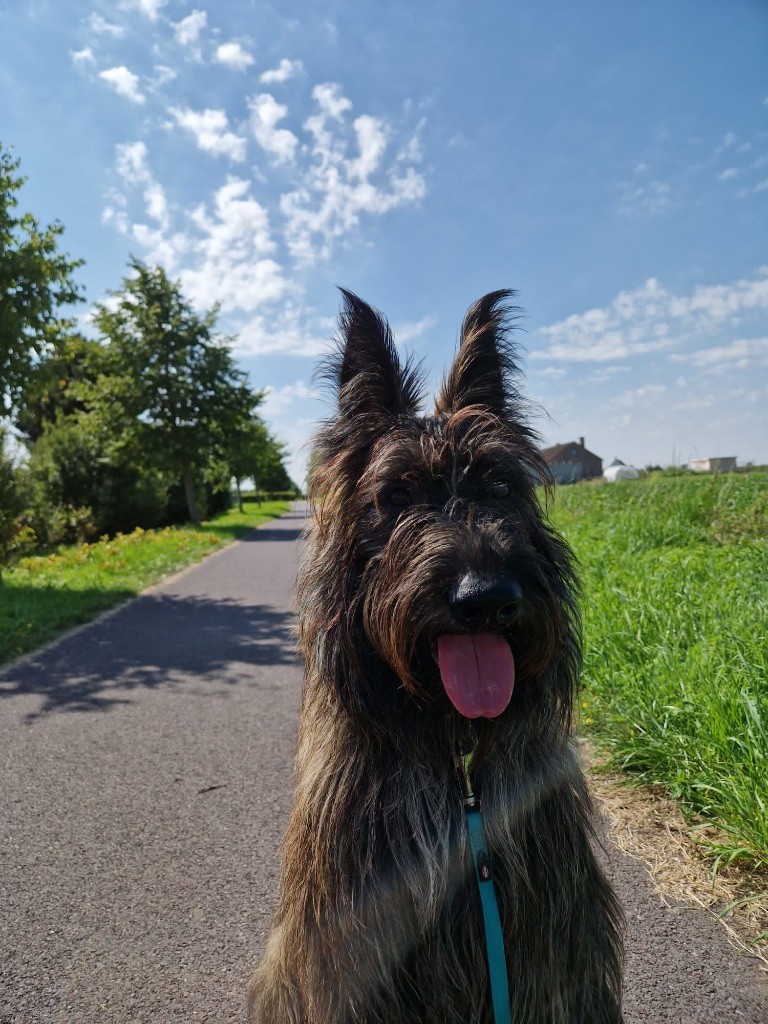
(722, 464)
(571, 462)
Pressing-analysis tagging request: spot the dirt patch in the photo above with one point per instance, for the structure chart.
(647, 824)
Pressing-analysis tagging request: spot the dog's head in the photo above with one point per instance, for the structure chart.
(442, 584)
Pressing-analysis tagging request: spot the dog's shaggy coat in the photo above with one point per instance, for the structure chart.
(378, 918)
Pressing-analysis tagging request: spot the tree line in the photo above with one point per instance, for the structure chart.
(146, 424)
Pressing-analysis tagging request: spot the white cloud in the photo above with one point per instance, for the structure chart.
(337, 188)
(210, 131)
(234, 248)
(728, 140)
(641, 200)
(728, 174)
(124, 82)
(223, 252)
(287, 331)
(84, 56)
(157, 205)
(131, 162)
(413, 329)
(149, 8)
(265, 114)
(331, 101)
(101, 26)
(187, 31)
(737, 353)
(233, 55)
(159, 246)
(162, 74)
(285, 69)
(649, 319)
(278, 400)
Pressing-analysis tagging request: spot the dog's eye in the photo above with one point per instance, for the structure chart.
(398, 497)
(498, 489)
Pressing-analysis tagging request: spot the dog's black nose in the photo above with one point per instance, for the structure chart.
(476, 601)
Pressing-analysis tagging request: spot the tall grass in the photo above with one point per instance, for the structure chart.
(675, 574)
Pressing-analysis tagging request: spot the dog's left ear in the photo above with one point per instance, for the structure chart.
(367, 370)
(484, 369)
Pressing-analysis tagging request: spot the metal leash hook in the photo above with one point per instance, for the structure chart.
(494, 939)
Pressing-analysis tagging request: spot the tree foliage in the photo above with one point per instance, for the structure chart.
(172, 377)
(13, 498)
(36, 280)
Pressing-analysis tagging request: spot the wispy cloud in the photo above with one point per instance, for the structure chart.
(739, 353)
(285, 69)
(266, 112)
(188, 30)
(84, 56)
(289, 330)
(338, 188)
(233, 55)
(279, 400)
(644, 198)
(100, 26)
(124, 82)
(234, 246)
(413, 329)
(210, 130)
(650, 319)
(149, 8)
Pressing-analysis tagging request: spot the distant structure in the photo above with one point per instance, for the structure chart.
(722, 464)
(571, 462)
(619, 470)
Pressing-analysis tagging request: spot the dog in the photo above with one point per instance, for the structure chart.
(438, 620)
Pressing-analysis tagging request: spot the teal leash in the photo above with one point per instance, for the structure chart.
(494, 940)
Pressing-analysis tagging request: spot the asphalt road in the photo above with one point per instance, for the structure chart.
(145, 782)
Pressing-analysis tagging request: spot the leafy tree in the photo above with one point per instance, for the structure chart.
(35, 281)
(258, 455)
(13, 499)
(171, 377)
(247, 452)
(58, 383)
(272, 474)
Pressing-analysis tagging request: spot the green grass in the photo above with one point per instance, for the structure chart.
(42, 595)
(675, 575)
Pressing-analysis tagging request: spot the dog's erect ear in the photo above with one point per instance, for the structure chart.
(367, 371)
(484, 369)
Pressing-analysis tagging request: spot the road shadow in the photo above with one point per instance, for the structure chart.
(158, 640)
(265, 533)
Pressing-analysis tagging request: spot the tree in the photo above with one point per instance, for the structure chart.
(272, 475)
(171, 377)
(35, 281)
(13, 499)
(247, 451)
(58, 384)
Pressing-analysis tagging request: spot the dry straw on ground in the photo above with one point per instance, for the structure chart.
(645, 823)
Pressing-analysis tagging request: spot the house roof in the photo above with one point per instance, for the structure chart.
(559, 451)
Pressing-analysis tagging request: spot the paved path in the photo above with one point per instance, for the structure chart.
(144, 784)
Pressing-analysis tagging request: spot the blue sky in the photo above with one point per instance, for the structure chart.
(608, 160)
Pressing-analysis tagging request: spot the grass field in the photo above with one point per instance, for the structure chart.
(675, 577)
(42, 595)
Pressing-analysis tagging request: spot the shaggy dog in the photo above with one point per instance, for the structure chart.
(438, 619)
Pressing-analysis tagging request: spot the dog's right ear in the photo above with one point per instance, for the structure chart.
(370, 379)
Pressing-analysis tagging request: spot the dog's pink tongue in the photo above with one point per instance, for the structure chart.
(478, 673)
